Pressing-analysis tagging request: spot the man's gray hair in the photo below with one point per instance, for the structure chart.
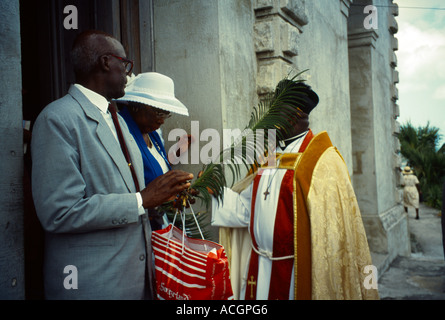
(86, 50)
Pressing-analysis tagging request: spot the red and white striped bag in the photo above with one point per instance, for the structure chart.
(189, 269)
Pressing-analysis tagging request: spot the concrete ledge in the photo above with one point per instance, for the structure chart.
(381, 261)
(393, 237)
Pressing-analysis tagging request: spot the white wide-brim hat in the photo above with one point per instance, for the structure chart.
(154, 89)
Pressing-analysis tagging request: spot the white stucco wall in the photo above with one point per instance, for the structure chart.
(206, 47)
(323, 48)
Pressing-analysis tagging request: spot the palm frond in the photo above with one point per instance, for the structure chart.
(278, 110)
(210, 183)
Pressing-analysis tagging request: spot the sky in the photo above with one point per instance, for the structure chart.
(421, 63)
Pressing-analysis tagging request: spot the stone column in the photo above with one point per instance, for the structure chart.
(277, 27)
(373, 80)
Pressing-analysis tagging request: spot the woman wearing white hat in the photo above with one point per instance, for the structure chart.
(149, 100)
(411, 190)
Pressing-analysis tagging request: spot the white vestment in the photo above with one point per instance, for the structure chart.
(235, 213)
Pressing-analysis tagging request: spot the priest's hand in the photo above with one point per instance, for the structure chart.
(165, 188)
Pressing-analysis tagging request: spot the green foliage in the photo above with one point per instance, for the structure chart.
(434, 196)
(278, 111)
(419, 146)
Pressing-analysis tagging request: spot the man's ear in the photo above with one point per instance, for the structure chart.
(104, 63)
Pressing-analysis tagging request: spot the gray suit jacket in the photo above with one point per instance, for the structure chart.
(85, 199)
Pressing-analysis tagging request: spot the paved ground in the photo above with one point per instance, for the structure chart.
(422, 275)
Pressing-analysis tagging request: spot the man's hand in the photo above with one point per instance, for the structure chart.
(165, 188)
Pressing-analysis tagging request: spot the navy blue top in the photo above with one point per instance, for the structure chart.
(152, 168)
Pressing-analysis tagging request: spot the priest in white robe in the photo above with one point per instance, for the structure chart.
(294, 230)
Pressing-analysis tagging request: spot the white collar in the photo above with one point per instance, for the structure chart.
(98, 100)
(294, 147)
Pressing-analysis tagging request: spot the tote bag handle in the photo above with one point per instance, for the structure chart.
(182, 215)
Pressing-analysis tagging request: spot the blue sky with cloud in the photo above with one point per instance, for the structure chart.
(421, 63)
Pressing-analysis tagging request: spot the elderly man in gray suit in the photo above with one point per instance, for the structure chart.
(97, 232)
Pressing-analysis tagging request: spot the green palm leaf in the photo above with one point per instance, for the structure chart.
(279, 110)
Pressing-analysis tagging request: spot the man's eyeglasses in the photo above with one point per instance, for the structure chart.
(128, 63)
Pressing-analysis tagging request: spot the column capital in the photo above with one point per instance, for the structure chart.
(362, 38)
